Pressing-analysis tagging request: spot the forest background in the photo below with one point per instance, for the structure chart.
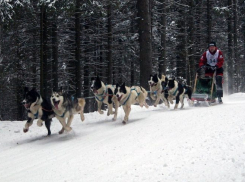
(48, 44)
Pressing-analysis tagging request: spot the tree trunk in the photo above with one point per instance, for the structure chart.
(162, 59)
(77, 50)
(191, 63)
(55, 53)
(230, 52)
(145, 41)
(109, 57)
(235, 48)
(43, 51)
(209, 25)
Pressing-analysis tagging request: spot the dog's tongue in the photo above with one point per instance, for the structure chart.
(119, 98)
(56, 105)
(26, 106)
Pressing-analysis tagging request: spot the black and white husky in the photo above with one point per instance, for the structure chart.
(37, 108)
(178, 91)
(104, 94)
(65, 107)
(157, 89)
(127, 96)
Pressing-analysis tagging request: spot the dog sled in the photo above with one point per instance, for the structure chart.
(204, 91)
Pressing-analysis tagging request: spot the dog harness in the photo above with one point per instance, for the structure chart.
(130, 95)
(103, 95)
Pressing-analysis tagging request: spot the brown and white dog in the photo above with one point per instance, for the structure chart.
(177, 91)
(104, 94)
(65, 107)
(157, 89)
(130, 95)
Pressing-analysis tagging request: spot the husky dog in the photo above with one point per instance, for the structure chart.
(178, 91)
(37, 108)
(65, 107)
(104, 94)
(157, 87)
(130, 95)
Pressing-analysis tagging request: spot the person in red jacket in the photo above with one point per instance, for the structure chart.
(212, 60)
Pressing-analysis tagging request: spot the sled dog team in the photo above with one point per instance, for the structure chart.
(63, 106)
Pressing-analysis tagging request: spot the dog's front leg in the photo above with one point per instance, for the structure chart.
(28, 124)
(47, 124)
(70, 118)
(177, 102)
(127, 110)
(64, 127)
(182, 101)
(99, 107)
(40, 122)
(158, 100)
(110, 106)
(116, 107)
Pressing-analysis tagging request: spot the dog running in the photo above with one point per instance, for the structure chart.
(130, 95)
(104, 94)
(65, 106)
(37, 108)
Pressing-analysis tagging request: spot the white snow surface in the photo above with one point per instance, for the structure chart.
(194, 144)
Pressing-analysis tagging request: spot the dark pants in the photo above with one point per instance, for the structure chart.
(219, 78)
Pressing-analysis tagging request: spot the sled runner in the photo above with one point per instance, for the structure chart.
(204, 91)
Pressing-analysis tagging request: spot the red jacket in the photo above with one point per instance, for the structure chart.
(219, 59)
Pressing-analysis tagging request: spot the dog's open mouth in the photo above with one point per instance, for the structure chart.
(119, 98)
(95, 91)
(152, 84)
(56, 103)
(27, 105)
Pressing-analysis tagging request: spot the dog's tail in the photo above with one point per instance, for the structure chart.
(81, 103)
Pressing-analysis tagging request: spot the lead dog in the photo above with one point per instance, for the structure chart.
(178, 91)
(130, 95)
(65, 107)
(37, 108)
(104, 94)
(157, 89)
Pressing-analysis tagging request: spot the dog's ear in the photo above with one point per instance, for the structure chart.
(117, 85)
(123, 85)
(33, 89)
(98, 78)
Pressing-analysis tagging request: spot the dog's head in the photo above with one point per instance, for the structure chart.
(171, 82)
(120, 91)
(96, 84)
(30, 97)
(153, 80)
(57, 98)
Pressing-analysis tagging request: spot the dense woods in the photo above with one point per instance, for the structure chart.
(59, 43)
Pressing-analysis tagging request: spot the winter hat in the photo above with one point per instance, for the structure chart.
(212, 44)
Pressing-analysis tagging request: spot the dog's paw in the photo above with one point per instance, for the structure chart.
(39, 123)
(171, 102)
(155, 105)
(25, 130)
(82, 117)
(68, 128)
(61, 131)
(114, 119)
(124, 122)
(101, 112)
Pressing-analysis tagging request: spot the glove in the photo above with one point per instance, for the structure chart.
(214, 67)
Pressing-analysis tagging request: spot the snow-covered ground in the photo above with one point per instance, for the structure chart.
(201, 144)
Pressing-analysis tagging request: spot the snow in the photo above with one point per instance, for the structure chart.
(200, 144)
